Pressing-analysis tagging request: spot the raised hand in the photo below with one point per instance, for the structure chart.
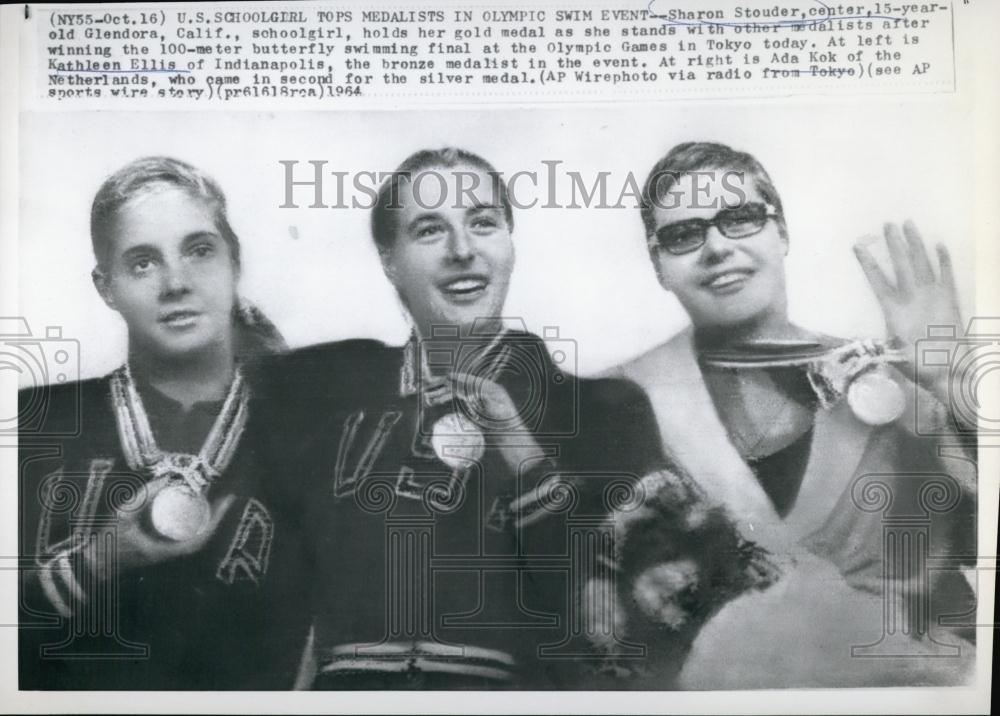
(917, 298)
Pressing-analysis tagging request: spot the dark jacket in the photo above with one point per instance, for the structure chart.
(228, 617)
(426, 576)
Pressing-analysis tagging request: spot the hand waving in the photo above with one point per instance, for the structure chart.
(918, 298)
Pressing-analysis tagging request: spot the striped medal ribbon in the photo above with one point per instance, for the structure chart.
(180, 510)
(857, 371)
(456, 439)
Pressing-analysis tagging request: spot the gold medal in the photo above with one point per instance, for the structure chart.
(457, 441)
(179, 512)
(876, 399)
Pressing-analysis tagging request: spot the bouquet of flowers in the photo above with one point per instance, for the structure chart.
(678, 559)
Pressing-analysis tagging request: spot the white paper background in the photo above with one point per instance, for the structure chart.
(843, 167)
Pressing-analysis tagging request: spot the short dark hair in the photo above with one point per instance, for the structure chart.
(386, 209)
(147, 174)
(696, 156)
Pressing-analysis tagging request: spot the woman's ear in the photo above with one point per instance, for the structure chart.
(102, 282)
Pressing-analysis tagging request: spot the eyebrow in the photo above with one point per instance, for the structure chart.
(436, 216)
(194, 236)
(139, 250)
(144, 249)
(424, 218)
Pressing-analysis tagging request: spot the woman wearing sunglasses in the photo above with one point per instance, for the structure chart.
(805, 439)
(159, 557)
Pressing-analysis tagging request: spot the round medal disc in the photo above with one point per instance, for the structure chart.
(179, 513)
(876, 399)
(457, 441)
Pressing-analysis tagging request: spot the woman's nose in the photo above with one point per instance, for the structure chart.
(459, 245)
(174, 279)
(717, 245)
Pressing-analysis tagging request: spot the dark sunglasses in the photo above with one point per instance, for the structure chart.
(682, 237)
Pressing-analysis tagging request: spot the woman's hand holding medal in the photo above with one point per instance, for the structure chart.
(491, 408)
(137, 543)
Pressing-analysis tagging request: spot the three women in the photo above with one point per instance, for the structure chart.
(420, 507)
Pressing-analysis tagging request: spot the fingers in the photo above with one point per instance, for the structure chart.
(880, 283)
(482, 394)
(947, 269)
(489, 404)
(466, 385)
(919, 260)
(910, 262)
(900, 255)
(469, 390)
(139, 546)
(948, 279)
(219, 510)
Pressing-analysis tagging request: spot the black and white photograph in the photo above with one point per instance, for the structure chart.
(585, 402)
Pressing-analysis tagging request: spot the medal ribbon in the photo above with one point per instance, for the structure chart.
(830, 372)
(452, 429)
(831, 376)
(436, 390)
(139, 444)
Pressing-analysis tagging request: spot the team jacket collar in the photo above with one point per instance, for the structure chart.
(415, 374)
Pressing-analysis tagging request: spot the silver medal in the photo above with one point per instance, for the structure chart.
(179, 512)
(457, 441)
(876, 399)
